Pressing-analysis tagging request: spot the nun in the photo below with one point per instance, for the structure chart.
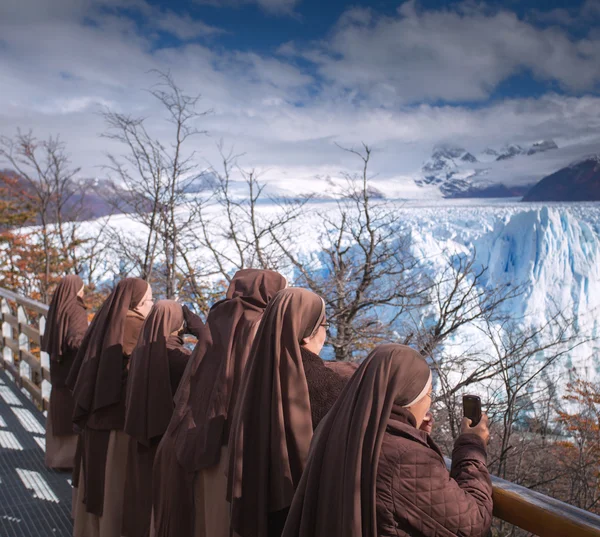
(189, 488)
(374, 471)
(66, 325)
(287, 389)
(155, 369)
(98, 380)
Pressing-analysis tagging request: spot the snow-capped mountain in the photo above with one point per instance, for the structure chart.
(457, 172)
(511, 151)
(542, 146)
(449, 169)
(489, 155)
(578, 182)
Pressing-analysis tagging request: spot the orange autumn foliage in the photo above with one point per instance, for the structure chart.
(21, 254)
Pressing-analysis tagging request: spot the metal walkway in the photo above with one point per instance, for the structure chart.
(34, 501)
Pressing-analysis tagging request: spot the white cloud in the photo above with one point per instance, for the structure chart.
(455, 55)
(276, 7)
(56, 73)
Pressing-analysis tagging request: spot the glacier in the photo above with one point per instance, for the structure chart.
(552, 249)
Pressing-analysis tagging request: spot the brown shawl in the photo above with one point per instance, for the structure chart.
(172, 485)
(149, 401)
(336, 495)
(66, 321)
(97, 374)
(272, 426)
(65, 328)
(232, 322)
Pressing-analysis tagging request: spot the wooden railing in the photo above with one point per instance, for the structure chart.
(540, 514)
(20, 355)
(23, 321)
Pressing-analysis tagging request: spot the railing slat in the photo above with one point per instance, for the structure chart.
(13, 370)
(32, 360)
(12, 344)
(31, 387)
(32, 333)
(11, 319)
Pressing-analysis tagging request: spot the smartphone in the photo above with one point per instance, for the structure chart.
(472, 408)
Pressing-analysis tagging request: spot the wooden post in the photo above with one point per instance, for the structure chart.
(45, 361)
(7, 332)
(24, 367)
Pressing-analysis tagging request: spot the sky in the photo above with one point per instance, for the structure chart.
(287, 81)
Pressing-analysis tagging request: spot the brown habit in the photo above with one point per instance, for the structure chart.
(208, 390)
(149, 406)
(272, 426)
(337, 493)
(65, 328)
(98, 379)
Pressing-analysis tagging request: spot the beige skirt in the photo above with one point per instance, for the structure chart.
(60, 450)
(109, 524)
(211, 507)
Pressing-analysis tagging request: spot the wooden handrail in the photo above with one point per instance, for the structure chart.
(34, 305)
(16, 354)
(539, 514)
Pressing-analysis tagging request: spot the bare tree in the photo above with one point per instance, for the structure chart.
(45, 168)
(366, 271)
(152, 180)
(235, 233)
(522, 353)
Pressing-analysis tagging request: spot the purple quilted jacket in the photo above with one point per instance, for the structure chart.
(418, 497)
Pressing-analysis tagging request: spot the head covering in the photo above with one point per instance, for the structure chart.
(96, 375)
(336, 495)
(210, 390)
(272, 426)
(149, 402)
(66, 318)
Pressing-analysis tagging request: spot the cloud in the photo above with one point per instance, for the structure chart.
(275, 7)
(581, 17)
(453, 54)
(183, 27)
(57, 71)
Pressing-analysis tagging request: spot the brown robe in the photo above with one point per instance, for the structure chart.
(98, 379)
(199, 428)
(156, 367)
(66, 325)
(369, 467)
(273, 423)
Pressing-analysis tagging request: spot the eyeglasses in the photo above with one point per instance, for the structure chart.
(326, 324)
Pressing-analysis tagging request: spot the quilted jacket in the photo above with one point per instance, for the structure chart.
(418, 497)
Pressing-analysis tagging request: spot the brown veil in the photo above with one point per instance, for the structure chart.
(336, 495)
(205, 398)
(211, 385)
(272, 426)
(96, 375)
(149, 402)
(66, 318)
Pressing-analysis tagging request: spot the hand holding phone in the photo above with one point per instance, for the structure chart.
(472, 408)
(475, 421)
